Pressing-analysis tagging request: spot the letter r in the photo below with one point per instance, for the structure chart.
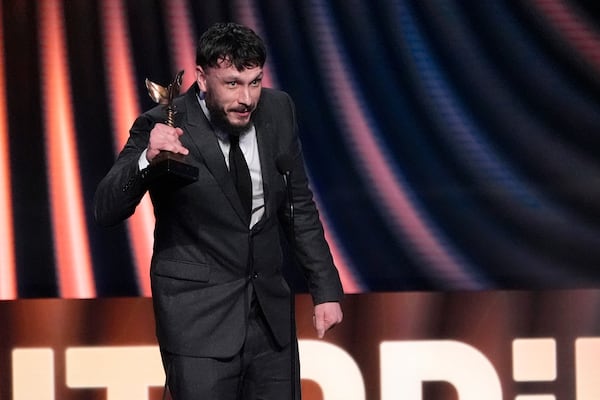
(405, 365)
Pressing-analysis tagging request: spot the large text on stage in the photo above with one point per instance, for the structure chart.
(409, 346)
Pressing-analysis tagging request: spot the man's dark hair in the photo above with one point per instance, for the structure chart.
(232, 43)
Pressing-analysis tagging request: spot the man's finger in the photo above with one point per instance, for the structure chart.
(319, 323)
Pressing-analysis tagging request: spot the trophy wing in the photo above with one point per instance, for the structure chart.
(157, 93)
(175, 86)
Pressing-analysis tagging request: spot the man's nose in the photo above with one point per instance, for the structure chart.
(244, 96)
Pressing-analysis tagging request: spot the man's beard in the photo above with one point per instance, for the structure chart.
(219, 120)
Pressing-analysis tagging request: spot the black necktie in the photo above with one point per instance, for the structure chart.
(240, 174)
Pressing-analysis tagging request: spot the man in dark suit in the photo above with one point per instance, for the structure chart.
(221, 303)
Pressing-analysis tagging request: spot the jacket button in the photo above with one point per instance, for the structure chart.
(255, 275)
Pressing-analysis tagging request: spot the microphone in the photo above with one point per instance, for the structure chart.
(284, 165)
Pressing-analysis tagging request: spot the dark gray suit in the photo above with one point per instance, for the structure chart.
(206, 261)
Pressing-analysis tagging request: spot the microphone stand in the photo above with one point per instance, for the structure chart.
(292, 243)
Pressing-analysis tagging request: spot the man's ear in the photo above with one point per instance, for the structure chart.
(201, 78)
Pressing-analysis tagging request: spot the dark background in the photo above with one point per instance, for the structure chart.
(451, 144)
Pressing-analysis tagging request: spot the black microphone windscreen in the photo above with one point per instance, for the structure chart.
(284, 164)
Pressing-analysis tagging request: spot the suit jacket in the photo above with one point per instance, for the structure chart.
(206, 261)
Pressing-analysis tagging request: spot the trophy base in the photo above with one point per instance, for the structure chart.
(173, 166)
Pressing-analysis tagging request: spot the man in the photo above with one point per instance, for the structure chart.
(221, 304)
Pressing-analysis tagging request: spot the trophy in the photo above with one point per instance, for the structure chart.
(167, 163)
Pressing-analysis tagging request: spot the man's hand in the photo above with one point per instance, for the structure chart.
(326, 316)
(164, 137)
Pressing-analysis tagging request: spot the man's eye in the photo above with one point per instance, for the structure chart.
(232, 84)
(255, 82)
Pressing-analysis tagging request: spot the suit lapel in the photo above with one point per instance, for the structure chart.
(264, 138)
(202, 140)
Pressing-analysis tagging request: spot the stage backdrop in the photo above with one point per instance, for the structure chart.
(451, 144)
(496, 345)
(452, 148)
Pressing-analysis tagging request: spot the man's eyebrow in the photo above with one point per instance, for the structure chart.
(229, 78)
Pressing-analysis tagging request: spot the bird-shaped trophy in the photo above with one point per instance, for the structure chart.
(167, 163)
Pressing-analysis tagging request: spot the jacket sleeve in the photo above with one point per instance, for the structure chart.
(310, 247)
(121, 190)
